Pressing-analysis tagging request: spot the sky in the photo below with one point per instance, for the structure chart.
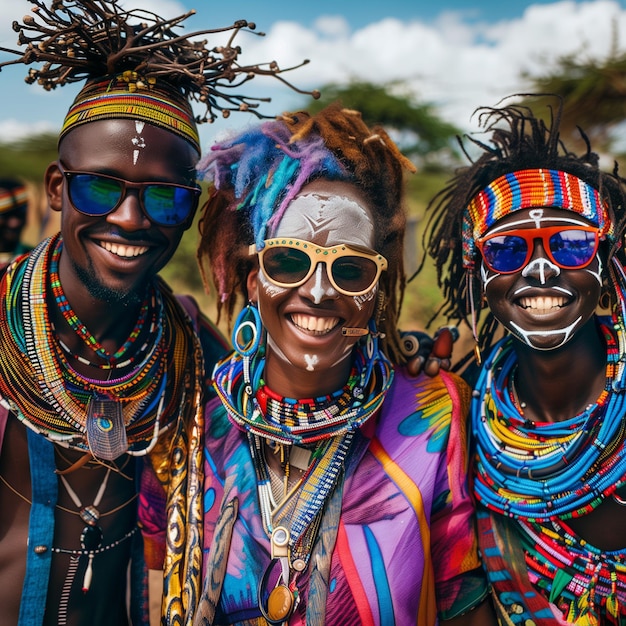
(454, 54)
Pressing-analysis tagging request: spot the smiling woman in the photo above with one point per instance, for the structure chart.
(326, 464)
(542, 233)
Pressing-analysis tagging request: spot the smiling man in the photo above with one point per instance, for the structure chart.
(542, 232)
(102, 369)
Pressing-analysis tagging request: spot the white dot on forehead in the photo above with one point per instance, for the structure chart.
(340, 217)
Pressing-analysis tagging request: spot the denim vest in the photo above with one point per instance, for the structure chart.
(44, 485)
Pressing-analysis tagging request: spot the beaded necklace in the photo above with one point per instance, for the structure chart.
(577, 577)
(543, 471)
(290, 421)
(112, 360)
(330, 421)
(49, 396)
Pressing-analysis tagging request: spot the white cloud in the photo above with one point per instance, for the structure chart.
(14, 130)
(455, 62)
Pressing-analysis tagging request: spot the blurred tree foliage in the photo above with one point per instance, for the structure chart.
(594, 97)
(416, 127)
(29, 157)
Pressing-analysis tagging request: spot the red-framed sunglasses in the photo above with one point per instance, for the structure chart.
(568, 247)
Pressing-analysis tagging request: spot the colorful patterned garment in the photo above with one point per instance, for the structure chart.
(541, 571)
(191, 338)
(405, 548)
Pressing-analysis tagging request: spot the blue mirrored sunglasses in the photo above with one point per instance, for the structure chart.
(164, 204)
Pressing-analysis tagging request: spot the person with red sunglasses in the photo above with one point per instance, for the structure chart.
(528, 245)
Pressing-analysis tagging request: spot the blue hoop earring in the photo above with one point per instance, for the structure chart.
(247, 331)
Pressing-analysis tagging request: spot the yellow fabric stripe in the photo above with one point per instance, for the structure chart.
(427, 612)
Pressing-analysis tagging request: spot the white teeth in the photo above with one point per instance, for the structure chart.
(314, 324)
(543, 304)
(124, 250)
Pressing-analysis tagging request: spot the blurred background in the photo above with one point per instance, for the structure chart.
(419, 68)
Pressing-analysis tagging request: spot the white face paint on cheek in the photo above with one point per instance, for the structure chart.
(597, 275)
(270, 289)
(138, 141)
(361, 300)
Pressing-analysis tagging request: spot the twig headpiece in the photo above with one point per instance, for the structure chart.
(78, 40)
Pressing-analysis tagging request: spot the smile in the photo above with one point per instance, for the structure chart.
(317, 325)
(543, 304)
(124, 251)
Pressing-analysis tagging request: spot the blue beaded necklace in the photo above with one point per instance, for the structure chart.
(540, 471)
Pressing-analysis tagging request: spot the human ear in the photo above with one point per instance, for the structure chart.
(252, 284)
(53, 182)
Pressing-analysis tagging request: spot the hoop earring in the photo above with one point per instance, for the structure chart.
(605, 300)
(247, 331)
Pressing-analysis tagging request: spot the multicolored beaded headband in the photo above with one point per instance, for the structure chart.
(14, 198)
(526, 189)
(125, 97)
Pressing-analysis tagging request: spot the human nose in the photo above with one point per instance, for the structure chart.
(540, 267)
(129, 215)
(318, 286)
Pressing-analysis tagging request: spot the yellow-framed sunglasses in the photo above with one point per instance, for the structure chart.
(352, 270)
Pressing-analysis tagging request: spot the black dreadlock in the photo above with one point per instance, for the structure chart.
(518, 140)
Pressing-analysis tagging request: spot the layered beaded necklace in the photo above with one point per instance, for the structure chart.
(543, 471)
(52, 398)
(328, 423)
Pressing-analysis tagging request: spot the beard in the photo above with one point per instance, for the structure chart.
(99, 291)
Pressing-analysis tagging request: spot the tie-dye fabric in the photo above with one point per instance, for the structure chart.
(404, 550)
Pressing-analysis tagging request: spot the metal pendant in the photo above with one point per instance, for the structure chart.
(106, 431)
(279, 603)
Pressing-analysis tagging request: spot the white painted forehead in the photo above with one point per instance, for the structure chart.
(342, 219)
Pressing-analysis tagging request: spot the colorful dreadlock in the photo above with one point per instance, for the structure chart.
(526, 164)
(257, 174)
(136, 65)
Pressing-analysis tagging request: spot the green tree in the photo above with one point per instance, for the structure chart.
(416, 127)
(593, 92)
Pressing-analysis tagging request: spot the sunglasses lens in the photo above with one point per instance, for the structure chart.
(285, 265)
(353, 273)
(94, 195)
(168, 205)
(573, 248)
(505, 253)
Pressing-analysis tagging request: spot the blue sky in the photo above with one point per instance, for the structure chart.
(456, 54)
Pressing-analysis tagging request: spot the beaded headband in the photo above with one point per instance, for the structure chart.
(14, 198)
(123, 96)
(526, 189)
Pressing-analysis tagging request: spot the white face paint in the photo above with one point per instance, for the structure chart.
(318, 291)
(314, 214)
(542, 266)
(311, 362)
(366, 297)
(527, 336)
(138, 141)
